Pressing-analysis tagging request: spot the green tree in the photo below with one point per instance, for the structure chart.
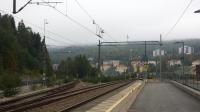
(79, 67)
(83, 66)
(21, 50)
(9, 83)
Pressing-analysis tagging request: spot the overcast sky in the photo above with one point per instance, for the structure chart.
(140, 19)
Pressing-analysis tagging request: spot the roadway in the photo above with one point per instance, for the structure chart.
(164, 97)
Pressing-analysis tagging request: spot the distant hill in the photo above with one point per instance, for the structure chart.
(119, 52)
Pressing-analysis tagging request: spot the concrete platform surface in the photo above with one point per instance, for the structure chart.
(116, 102)
(164, 97)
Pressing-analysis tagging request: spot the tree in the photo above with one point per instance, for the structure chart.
(79, 67)
(21, 51)
(83, 66)
(151, 68)
(9, 82)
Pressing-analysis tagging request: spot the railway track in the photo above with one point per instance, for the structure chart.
(38, 94)
(92, 97)
(63, 100)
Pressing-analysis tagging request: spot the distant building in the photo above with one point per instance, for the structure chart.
(135, 62)
(115, 63)
(157, 52)
(174, 62)
(152, 62)
(90, 59)
(187, 50)
(93, 65)
(105, 67)
(107, 62)
(55, 67)
(121, 68)
(196, 62)
(139, 66)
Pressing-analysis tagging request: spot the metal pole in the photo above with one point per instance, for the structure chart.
(99, 61)
(174, 77)
(160, 57)
(14, 6)
(183, 62)
(156, 66)
(145, 57)
(145, 51)
(44, 27)
(125, 74)
(44, 67)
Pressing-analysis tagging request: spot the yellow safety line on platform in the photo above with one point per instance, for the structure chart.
(123, 94)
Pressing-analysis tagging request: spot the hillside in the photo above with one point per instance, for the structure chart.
(22, 53)
(120, 52)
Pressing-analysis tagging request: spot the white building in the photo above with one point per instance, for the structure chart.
(114, 63)
(196, 62)
(107, 62)
(152, 62)
(187, 50)
(157, 52)
(90, 59)
(174, 62)
(121, 68)
(110, 63)
(135, 62)
(105, 67)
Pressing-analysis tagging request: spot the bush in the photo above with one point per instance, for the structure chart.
(9, 83)
(66, 80)
(91, 80)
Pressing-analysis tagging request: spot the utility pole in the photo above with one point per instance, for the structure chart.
(125, 72)
(160, 57)
(99, 33)
(145, 51)
(183, 56)
(45, 22)
(127, 37)
(14, 7)
(129, 64)
(173, 57)
(99, 61)
(145, 58)
(15, 11)
(44, 56)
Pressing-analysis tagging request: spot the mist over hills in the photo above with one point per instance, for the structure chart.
(120, 52)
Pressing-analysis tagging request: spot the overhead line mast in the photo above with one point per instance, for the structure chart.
(15, 11)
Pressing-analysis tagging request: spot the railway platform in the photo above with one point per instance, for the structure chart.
(121, 101)
(164, 97)
(117, 96)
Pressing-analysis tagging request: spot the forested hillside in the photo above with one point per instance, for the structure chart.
(22, 53)
(121, 52)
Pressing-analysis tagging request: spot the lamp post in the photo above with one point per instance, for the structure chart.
(183, 45)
